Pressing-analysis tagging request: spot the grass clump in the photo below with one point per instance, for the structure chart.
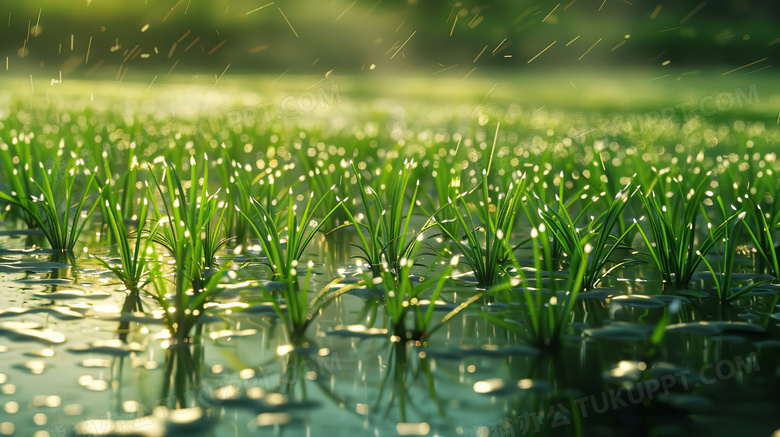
(597, 235)
(765, 224)
(284, 235)
(384, 237)
(486, 248)
(61, 221)
(188, 215)
(547, 314)
(673, 226)
(134, 249)
(186, 226)
(723, 282)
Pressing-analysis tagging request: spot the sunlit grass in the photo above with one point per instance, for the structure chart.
(486, 248)
(134, 248)
(676, 248)
(58, 210)
(284, 235)
(765, 226)
(190, 215)
(385, 235)
(723, 282)
(573, 238)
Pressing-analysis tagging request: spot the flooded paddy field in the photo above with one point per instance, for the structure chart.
(390, 256)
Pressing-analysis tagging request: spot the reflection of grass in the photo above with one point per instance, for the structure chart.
(186, 230)
(296, 310)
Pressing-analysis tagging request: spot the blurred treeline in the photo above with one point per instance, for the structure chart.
(116, 37)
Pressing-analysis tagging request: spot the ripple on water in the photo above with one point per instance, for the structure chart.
(620, 331)
(62, 313)
(358, 331)
(73, 294)
(162, 422)
(715, 328)
(645, 301)
(114, 347)
(26, 331)
(32, 266)
(488, 351)
(498, 386)
(258, 400)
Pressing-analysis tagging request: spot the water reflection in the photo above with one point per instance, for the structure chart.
(183, 370)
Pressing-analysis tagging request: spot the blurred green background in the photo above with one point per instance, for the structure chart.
(114, 38)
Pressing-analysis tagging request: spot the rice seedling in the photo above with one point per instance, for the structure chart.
(241, 186)
(184, 307)
(188, 215)
(296, 235)
(18, 179)
(487, 249)
(723, 282)
(764, 226)
(128, 181)
(61, 222)
(321, 177)
(403, 300)
(134, 249)
(546, 315)
(495, 229)
(530, 207)
(386, 237)
(597, 235)
(673, 226)
(186, 228)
